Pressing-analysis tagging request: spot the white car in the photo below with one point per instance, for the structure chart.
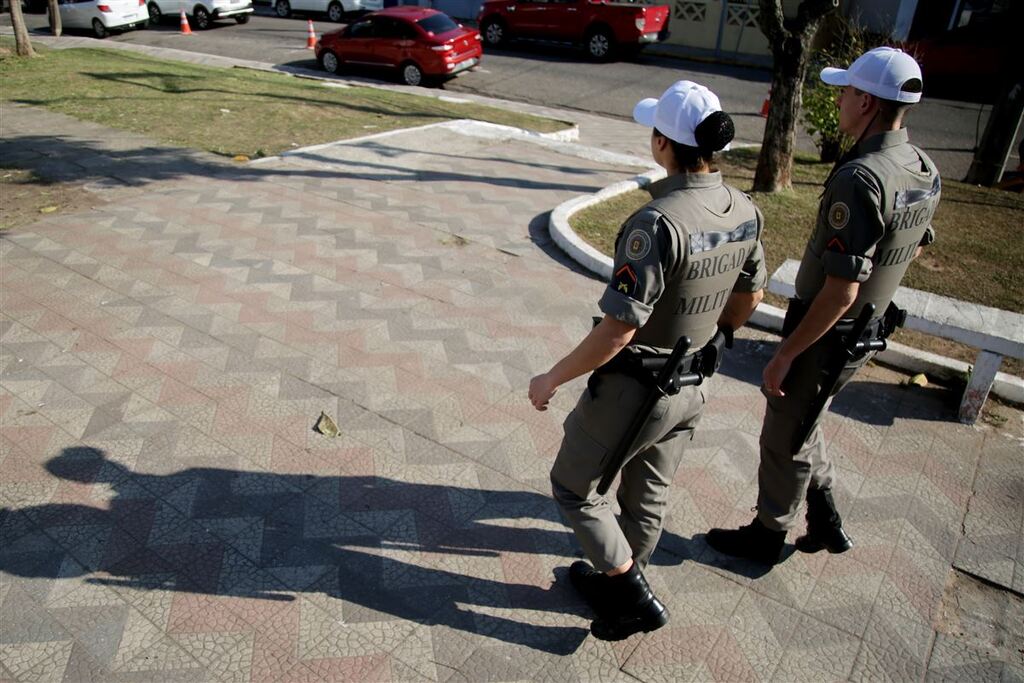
(201, 13)
(103, 16)
(336, 10)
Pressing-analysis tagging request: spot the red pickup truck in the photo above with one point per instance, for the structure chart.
(604, 28)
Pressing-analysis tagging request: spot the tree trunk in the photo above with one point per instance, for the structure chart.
(997, 141)
(790, 39)
(775, 165)
(56, 28)
(22, 44)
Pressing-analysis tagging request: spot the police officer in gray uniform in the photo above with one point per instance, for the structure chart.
(689, 263)
(874, 217)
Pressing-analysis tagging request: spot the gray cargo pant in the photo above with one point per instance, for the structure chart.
(592, 430)
(783, 478)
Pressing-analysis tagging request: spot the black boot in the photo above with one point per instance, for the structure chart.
(824, 526)
(632, 608)
(592, 585)
(754, 541)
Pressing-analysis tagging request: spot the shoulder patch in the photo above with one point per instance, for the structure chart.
(638, 245)
(838, 215)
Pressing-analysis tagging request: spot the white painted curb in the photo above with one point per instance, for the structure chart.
(561, 141)
(767, 317)
(571, 243)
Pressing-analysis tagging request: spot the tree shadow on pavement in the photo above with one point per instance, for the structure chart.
(429, 554)
(61, 159)
(171, 83)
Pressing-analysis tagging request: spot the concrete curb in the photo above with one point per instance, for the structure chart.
(571, 243)
(767, 317)
(558, 141)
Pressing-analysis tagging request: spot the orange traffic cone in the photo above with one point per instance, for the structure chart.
(311, 38)
(185, 29)
(766, 104)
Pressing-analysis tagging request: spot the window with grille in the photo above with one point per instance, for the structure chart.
(742, 13)
(691, 10)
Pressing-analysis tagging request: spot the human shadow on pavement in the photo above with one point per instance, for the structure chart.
(673, 550)
(429, 554)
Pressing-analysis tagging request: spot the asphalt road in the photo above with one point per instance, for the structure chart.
(561, 76)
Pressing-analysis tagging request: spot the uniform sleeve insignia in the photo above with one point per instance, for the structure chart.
(625, 280)
(838, 215)
(638, 245)
(836, 244)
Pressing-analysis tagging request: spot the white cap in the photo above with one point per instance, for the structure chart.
(678, 112)
(881, 72)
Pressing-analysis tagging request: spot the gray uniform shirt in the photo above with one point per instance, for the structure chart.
(875, 211)
(679, 257)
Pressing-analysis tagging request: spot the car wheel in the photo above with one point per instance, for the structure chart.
(242, 19)
(98, 29)
(335, 12)
(201, 18)
(600, 43)
(493, 31)
(330, 62)
(283, 8)
(154, 14)
(412, 74)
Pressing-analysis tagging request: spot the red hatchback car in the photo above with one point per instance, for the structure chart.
(423, 44)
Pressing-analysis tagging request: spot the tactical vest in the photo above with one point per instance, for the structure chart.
(909, 200)
(715, 248)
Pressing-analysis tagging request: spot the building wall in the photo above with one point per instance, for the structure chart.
(720, 26)
(888, 17)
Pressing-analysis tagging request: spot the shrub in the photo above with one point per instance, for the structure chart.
(820, 114)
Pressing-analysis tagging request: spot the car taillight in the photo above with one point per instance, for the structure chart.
(103, 8)
(142, 3)
(640, 23)
(441, 48)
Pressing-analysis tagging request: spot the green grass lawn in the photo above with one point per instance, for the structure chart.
(225, 111)
(978, 254)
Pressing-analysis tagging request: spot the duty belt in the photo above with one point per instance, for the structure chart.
(879, 328)
(645, 366)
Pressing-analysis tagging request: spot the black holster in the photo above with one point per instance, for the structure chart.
(709, 358)
(849, 341)
(795, 312)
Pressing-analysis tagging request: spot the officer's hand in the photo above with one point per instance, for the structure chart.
(542, 388)
(774, 374)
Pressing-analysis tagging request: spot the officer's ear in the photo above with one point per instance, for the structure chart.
(659, 141)
(868, 103)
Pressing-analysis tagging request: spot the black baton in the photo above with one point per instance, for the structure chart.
(670, 380)
(851, 347)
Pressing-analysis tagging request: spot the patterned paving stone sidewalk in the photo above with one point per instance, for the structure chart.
(169, 513)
